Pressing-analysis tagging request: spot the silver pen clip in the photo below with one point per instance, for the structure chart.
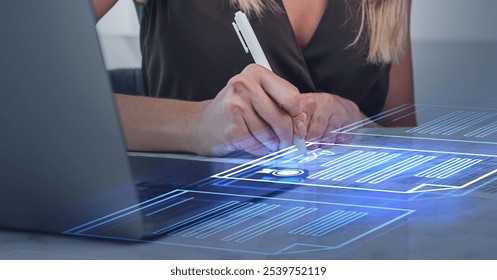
(240, 36)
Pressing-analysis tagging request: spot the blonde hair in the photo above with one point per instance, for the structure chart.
(381, 31)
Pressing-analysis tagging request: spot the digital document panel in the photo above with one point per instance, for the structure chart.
(368, 168)
(465, 125)
(250, 224)
(355, 191)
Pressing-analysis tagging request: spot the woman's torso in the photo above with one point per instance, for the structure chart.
(190, 51)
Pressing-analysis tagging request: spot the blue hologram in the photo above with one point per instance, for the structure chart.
(244, 229)
(370, 168)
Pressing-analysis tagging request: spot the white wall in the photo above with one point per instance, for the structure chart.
(118, 32)
(432, 20)
(454, 20)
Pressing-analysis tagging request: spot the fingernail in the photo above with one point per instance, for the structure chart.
(305, 116)
(302, 130)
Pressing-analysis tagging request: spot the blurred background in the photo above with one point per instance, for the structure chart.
(454, 47)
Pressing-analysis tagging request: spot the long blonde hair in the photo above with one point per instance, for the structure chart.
(381, 31)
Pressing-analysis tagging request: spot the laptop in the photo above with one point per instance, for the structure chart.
(63, 159)
(63, 165)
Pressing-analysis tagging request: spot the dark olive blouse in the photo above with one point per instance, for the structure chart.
(190, 51)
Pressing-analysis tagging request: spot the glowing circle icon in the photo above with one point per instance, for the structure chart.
(287, 172)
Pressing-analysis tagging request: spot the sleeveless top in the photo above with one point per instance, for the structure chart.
(190, 51)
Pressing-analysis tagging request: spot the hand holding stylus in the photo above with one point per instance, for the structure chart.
(251, 44)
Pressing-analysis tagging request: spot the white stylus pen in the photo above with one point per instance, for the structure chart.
(251, 44)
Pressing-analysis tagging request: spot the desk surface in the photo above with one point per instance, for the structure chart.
(375, 219)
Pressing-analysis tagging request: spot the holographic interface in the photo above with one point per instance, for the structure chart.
(244, 208)
(447, 123)
(243, 223)
(379, 169)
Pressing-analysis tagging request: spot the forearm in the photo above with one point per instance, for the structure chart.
(155, 124)
(101, 7)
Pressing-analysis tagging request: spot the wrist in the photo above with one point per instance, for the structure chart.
(193, 138)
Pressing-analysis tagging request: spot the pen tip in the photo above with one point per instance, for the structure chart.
(300, 144)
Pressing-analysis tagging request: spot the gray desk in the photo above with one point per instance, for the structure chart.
(458, 225)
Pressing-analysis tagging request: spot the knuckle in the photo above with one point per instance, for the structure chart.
(310, 103)
(239, 84)
(253, 69)
(234, 107)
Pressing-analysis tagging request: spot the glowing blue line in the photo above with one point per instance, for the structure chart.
(313, 224)
(364, 167)
(342, 158)
(464, 164)
(265, 222)
(398, 168)
(237, 222)
(333, 222)
(317, 248)
(342, 224)
(260, 163)
(407, 212)
(454, 164)
(223, 220)
(297, 200)
(441, 188)
(488, 133)
(126, 209)
(204, 220)
(269, 223)
(278, 224)
(227, 220)
(417, 150)
(317, 185)
(319, 224)
(433, 122)
(457, 107)
(405, 116)
(461, 167)
(345, 166)
(126, 214)
(460, 120)
(371, 120)
(376, 117)
(209, 223)
(257, 161)
(301, 156)
(335, 162)
(375, 229)
(353, 161)
(463, 121)
(170, 206)
(170, 243)
(399, 171)
(395, 167)
(429, 173)
(468, 124)
(198, 216)
(483, 131)
(450, 122)
(480, 117)
(425, 138)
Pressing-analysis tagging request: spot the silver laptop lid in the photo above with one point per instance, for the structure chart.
(63, 160)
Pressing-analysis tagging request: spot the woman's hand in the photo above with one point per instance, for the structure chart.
(257, 112)
(326, 114)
